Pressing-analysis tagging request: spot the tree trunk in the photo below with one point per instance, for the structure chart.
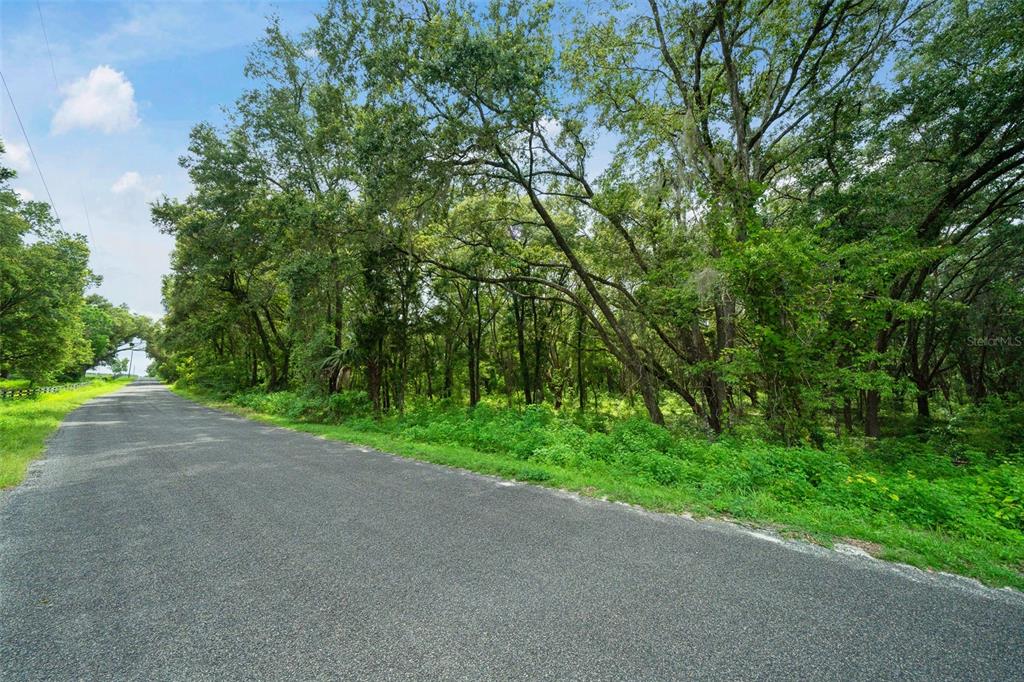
(581, 388)
(373, 383)
(710, 387)
(473, 334)
(449, 372)
(268, 354)
(650, 396)
(538, 347)
(474, 368)
(524, 365)
(872, 404)
(429, 369)
(923, 408)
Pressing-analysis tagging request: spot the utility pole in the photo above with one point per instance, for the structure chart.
(131, 357)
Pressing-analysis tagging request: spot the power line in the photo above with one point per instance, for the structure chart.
(56, 86)
(88, 220)
(46, 39)
(39, 169)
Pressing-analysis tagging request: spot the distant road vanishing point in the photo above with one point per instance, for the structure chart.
(161, 540)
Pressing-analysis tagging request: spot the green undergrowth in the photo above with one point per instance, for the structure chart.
(25, 424)
(947, 499)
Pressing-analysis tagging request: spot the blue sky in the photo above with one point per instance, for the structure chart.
(132, 78)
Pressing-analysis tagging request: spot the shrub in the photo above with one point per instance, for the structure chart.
(994, 429)
(999, 492)
(348, 404)
(528, 473)
(282, 404)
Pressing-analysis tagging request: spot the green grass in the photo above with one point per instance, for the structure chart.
(950, 501)
(26, 423)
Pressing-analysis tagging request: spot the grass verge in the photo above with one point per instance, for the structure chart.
(26, 423)
(909, 503)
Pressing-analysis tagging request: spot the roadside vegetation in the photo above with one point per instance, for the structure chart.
(947, 498)
(26, 423)
(755, 259)
(51, 328)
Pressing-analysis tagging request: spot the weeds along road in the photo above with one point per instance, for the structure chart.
(164, 540)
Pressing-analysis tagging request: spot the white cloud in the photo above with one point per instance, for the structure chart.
(133, 186)
(24, 194)
(128, 181)
(550, 127)
(103, 100)
(17, 156)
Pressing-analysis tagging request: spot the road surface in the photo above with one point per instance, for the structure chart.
(160, 539)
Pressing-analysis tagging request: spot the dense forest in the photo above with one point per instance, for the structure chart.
(51, 329)
(800, 215)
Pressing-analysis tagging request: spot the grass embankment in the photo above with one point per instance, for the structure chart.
(949, 499)
(25, 424)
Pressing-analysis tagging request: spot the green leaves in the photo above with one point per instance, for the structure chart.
(737, 207)
(43, 275)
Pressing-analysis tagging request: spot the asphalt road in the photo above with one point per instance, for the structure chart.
(163, 540)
